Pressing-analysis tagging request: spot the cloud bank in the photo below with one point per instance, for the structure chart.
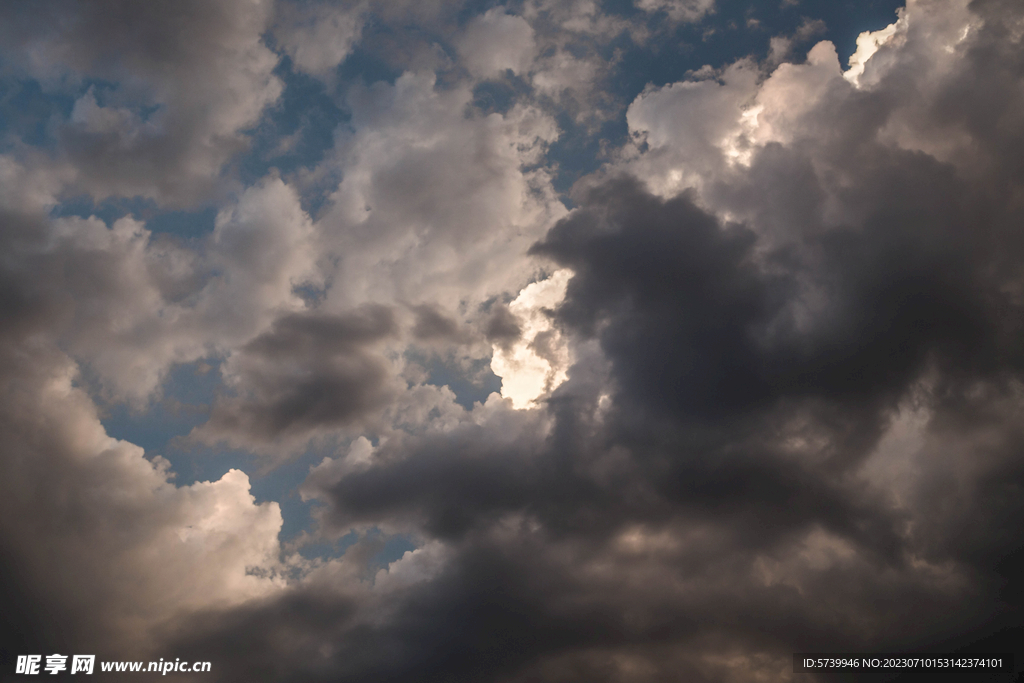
(756, 370)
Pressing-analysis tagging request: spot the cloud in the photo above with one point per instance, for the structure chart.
(678, 10)
(141, 304)
(502, 327)
(729, 490)
(191, 78)
(318, 37)
(308, 371)
(779, 47)
(430, 197)
(105, 550)
(685, 155)
(571, 70)
(678, 326)
(536, 363)
(446, 481)
(773, 353)
(432, 325)
(495, 41)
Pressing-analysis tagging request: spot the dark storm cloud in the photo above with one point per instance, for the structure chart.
(487, 616)
(696, 327)
(515, 603)
(674, 295)
(711, 371)
(308, 371)
(451, 485)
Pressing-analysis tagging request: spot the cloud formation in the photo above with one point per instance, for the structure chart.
(189, 79)
(308, 371)
(757, 372)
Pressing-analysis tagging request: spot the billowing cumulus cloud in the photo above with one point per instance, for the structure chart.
(528, 373)
(536, 363)
(187, 81)
(496, 41)
(318, 37)
(430, 196)
(136, 303)
(104, 549)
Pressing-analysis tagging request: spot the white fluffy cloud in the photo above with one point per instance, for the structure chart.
(432, 198)
(687, 127)
(496, 41)
(536, 363)
(695, 130)
(318, 37)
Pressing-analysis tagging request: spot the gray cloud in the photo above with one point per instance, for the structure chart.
(308, 371)
(431, 324)
(191, 76)
(502, 326)
(100, 548)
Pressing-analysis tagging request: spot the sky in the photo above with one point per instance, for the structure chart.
(612, 341)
